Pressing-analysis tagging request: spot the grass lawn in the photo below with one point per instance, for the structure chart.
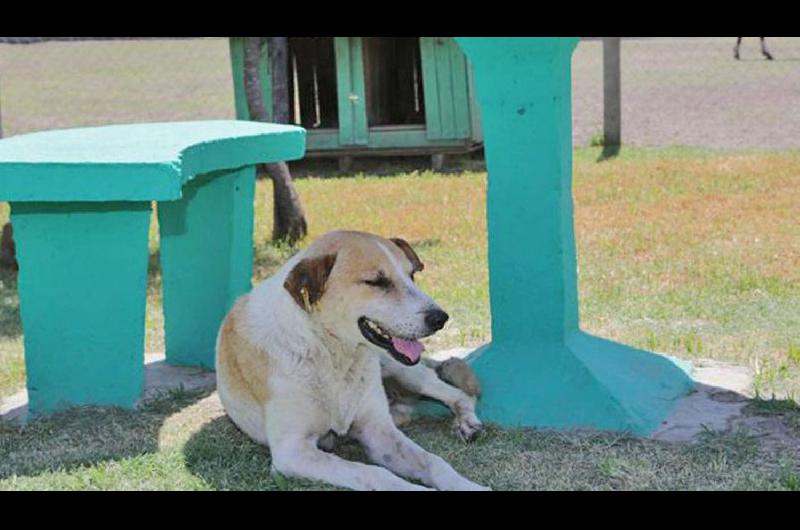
(692, 253)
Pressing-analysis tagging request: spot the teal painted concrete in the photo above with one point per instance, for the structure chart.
(149, 161)
(82, 286)
(207, 257)
(540, 369)
(80, 205)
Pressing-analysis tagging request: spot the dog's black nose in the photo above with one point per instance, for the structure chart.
(435, 319)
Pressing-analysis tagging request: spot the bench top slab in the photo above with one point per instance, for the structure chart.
(147, 161)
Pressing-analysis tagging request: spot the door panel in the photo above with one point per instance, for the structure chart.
(444, 71)
(350, 79)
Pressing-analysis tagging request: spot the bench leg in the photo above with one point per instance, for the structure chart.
(206, 261)
(82, 288)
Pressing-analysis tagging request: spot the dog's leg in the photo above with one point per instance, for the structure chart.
(764, 50)
(388, 446)
(327, 442)
(736, 48)
(300, 458)
(423, 380)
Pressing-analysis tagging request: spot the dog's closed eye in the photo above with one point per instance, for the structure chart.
(381, 281)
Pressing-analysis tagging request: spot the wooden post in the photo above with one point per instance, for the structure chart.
(612, 108)
(278, 51)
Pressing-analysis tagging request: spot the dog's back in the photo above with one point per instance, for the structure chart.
(242, 372)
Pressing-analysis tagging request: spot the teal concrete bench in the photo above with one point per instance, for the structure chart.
(81, 208)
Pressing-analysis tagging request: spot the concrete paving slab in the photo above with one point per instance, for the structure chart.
(722, 392)
(159, 378)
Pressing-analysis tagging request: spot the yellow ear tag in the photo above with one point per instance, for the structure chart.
(306, 299)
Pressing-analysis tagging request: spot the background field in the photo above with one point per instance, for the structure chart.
(675, 91)
(689, 251)
(690, 91)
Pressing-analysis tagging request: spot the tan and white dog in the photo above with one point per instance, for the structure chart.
(304, 354)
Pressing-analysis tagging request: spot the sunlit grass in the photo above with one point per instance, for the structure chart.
(690, 252)
(698, 256)
(693, 253)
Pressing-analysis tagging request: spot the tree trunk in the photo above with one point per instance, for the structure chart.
(278, 62)
(289, 221)
(8, 250)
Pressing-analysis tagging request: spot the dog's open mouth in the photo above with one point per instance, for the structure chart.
(407, 351)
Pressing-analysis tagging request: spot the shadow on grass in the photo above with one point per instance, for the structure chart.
(425, 243)
(85, 436)
(227, 459)
(154, 269)
(385, 166)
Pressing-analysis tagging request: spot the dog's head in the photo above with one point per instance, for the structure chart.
(360, 287)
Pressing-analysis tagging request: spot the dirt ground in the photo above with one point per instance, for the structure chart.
(691, 91)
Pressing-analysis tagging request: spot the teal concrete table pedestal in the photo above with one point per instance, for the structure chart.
(82, 289)
(206, 243)
(81, 208)
(540, 369)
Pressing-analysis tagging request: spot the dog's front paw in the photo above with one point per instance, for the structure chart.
(468, 427)
(467, 423)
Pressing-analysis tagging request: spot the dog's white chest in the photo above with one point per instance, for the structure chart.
(348, 399)
(340, 390)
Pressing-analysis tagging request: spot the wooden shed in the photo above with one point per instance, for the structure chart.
(375, 95)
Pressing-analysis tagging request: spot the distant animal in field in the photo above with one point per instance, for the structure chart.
(764, 50)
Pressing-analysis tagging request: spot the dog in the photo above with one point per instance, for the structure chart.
(305, 353)
(764, 50)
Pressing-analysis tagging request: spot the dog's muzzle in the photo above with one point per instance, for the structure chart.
(404, 350)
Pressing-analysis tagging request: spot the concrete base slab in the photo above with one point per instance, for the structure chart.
(722, 392)
(159, 378)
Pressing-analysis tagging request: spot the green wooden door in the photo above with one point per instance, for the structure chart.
(446, 88)
(353, 128)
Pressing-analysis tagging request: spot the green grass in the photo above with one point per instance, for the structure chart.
(694, 253)
(688, 251)
(187, 443)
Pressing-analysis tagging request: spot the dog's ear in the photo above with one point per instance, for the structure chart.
(409, 252)
(306, 282)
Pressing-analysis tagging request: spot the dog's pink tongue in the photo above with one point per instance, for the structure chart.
(410, 348)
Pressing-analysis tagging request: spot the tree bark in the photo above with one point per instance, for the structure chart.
(278, 62)
(8, 250)
(289, 223)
